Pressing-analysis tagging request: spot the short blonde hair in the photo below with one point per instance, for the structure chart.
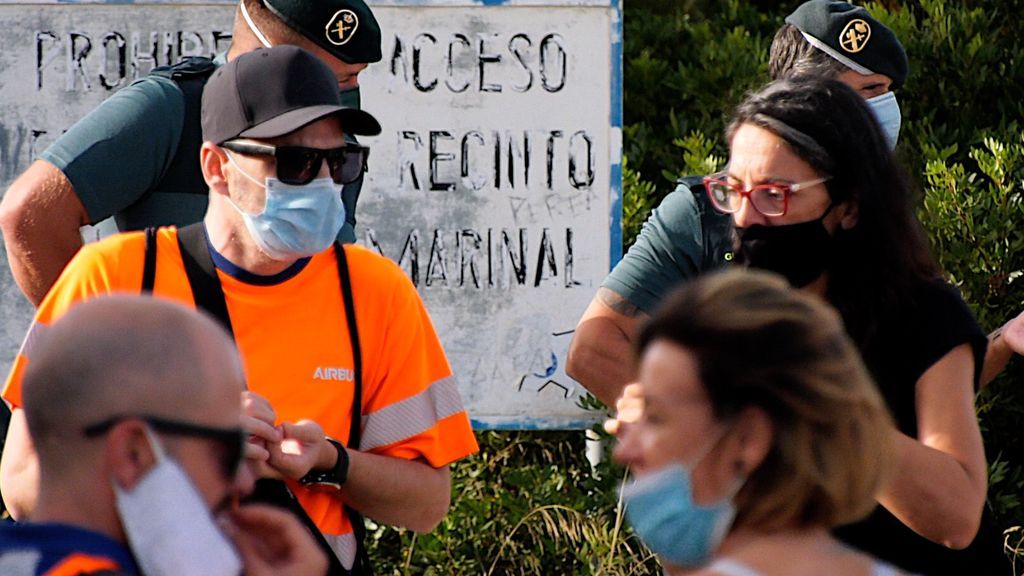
(760, 343)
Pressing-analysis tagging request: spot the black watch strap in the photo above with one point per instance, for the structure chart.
(334, 477)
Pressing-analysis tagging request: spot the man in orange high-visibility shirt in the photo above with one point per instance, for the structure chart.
(275, 159)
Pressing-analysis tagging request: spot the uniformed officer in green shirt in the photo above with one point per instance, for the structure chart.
(135, 157)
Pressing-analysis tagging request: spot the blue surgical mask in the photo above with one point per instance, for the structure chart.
(662, 511)
(887, 112)
(296, 221)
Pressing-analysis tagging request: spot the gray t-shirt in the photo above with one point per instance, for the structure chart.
(683, 237)
(122, 149)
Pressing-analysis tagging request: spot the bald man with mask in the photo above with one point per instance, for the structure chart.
(134, 408)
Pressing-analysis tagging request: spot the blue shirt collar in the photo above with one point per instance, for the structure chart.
(57, 540)
(243, 275)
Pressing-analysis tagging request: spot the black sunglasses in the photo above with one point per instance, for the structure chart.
(231, 440)
(298, 165)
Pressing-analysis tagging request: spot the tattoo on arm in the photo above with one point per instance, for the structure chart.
(618, 303)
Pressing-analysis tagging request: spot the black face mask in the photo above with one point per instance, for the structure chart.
(800, 252)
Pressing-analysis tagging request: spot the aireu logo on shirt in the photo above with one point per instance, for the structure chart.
(338, 374)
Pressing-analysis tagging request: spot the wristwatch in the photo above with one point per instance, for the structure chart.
(332, 478)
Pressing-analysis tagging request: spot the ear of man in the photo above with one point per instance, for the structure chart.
(129, 453)
(212, 159)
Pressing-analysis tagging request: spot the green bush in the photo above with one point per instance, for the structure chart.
(529, 503)
(683, 73)
(972, 213)
(966, 145)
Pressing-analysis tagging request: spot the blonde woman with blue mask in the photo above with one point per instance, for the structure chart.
(755, 430)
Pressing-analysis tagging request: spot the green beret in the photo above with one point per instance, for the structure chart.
(344, 28)
(849, 34)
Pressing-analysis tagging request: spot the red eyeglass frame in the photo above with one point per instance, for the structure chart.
(787, 190)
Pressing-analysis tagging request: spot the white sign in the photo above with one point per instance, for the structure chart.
(495, 183)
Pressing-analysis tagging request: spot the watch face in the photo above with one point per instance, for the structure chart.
(322, 486)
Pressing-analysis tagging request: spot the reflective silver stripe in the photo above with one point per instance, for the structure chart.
(36, 333)
(20, 563)
(411, 416)
(831, 52)
(344, 546)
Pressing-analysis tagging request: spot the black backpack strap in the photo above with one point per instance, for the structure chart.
(362, 566)
(149, 262)
(355, 428)
(188, 68)
(202, 274)
(277, 493)
(183, 174)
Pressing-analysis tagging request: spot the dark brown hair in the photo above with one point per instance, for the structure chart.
(758, 342)
(878, 263)
(792, 55)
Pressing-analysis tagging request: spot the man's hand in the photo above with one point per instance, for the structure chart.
(258, 420)
(1013, 334)
(272, 542)
(1003, 343)
(302, 448)
(628, 409)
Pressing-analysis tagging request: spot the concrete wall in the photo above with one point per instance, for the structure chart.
(495, 183)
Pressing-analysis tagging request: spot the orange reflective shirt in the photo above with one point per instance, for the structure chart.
(295, 346)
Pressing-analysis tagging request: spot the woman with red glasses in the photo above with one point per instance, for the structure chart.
(817, 196)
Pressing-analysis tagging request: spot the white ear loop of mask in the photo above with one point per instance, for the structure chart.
(706, 449)
(159, 452)
(154, 443)
(231, 159)
(252, 26)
